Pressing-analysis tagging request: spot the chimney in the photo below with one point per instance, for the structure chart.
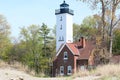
(82, 41)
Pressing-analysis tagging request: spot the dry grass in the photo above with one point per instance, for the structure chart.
(17, 66)
(108, 70)
(3, 64)
(105, 71)
(20, 67)
(81, 74)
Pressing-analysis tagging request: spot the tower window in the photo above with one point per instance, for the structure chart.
(61, 38)
(61, 18)
(65, 55)
(69, 70)
(61, 27)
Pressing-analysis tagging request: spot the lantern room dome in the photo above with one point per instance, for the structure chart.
(64, 5)
(64, 8)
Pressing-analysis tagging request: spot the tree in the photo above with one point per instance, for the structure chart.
(5, 43)
(115, 4)
(105, 5)
(91, 29)
(87, 29)
(32, 45)
(76, 33)
(44, 31)
(53, 43)
(48, 47)
(35, 44)
(94, 4)
(116, 42)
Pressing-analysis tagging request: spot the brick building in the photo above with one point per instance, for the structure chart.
(72, 57)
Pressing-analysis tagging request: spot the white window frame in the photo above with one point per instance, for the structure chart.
(61, 69)
(65, 55)
(69, 68)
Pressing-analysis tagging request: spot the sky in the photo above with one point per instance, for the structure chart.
(20, 13)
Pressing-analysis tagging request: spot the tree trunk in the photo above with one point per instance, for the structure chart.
(111, 42)
(103, 21)
(111, 35)
(111, 28)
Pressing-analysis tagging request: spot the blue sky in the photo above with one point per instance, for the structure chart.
(21, 13)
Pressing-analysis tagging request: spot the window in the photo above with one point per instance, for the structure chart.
(65, 55)
(61, 27)
(61, 38)
(83, 67)
(69, 70)
(61, 18)
(61, 70)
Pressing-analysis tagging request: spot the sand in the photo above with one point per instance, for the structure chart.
(9, 73)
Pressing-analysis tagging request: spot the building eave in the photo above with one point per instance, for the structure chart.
(71, 50)
(58, 52)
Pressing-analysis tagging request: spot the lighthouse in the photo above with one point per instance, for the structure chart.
(64, 25)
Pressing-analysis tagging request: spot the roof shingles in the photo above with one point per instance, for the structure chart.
(73, 48)
(83, 53)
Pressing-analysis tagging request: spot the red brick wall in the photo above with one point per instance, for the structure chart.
(83, 62)
(61, 62)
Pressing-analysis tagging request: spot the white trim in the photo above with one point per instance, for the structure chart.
(62, 48)
(65, 54)
(61, 68)
(69, 68)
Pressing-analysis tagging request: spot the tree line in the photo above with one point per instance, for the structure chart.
(91, 29)
(109, 19)
(34, 48)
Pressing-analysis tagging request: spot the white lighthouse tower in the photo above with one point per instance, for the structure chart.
(64, 25)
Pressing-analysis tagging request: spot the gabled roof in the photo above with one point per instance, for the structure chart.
(60, 49)
(71, 46)
(86, 52)
(77, 49)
